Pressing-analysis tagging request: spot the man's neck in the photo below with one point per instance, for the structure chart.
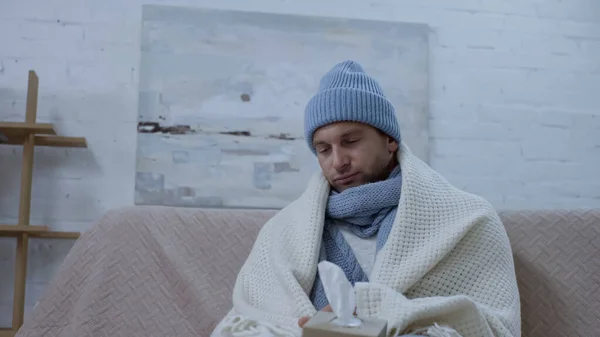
(392, 165)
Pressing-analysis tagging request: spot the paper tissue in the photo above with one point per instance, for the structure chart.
(341, 322)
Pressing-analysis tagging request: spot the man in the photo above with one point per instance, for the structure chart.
(424, 256)
(430, 259)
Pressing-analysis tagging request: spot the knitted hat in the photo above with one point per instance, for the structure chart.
(347, 93)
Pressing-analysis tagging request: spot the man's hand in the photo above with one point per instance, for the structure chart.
(303, 320)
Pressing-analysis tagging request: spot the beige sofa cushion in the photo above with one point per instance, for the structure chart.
(557, 258)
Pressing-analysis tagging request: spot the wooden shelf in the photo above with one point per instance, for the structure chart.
(6, 332)
(55, 235)
(60, 141)
(17, 132)
(35, 232)
(16, 230)
(29, 134)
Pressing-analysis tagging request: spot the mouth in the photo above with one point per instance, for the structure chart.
(346, 179)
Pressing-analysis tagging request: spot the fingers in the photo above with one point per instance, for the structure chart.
(302, 321)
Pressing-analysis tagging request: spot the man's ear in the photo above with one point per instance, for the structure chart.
(392, 145)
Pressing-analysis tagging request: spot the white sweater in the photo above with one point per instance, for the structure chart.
(365, 249)
(446, 268)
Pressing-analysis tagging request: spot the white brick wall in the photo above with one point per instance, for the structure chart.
(515, 103)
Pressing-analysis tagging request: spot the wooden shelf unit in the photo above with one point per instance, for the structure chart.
(16, 230)
(29, 134)
(6, 332)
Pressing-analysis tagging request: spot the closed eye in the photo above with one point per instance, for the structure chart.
(323, 149)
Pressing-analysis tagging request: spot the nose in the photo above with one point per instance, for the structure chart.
(341, 160)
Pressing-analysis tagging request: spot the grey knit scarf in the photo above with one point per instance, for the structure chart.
(368, 210)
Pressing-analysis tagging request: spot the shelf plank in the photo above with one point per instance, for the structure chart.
(17, 132)
(52, 141)
(6, 332)
(59, 141)
(55, 235)
(36, 232)
(16, 230)
(23, 127)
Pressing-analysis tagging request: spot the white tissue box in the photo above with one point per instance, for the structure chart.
(321, 325)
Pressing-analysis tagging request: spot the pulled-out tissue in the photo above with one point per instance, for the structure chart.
(341, 322)
(339, 293)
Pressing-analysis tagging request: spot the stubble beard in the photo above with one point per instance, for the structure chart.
(384, 170)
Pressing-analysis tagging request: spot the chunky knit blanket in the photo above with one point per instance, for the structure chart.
(368, 210)
(446, 268)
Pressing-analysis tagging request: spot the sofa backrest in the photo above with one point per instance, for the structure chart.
(557, 260)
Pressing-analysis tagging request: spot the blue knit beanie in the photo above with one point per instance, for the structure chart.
(347, 93)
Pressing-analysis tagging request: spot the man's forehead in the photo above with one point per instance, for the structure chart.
(338, 130)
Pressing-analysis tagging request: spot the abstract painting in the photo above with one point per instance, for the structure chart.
(222, 97)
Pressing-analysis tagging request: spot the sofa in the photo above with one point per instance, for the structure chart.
(185, 270)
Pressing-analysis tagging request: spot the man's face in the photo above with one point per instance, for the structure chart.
(352, 154)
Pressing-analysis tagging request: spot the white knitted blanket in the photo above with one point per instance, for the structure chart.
(446, 269)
